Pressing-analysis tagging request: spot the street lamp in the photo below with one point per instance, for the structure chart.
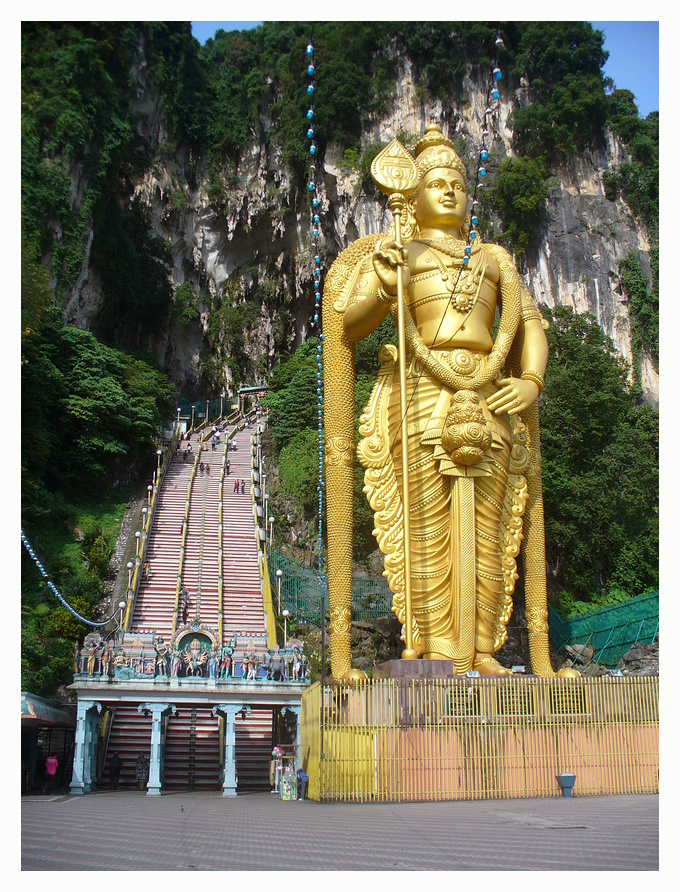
(192, 416)
(159, 452)
(279, 574)
(137, 537)
(130, 565)
(144, 511)
(266, 509)
(149, 489)
(178, 411)
(207, 404)
(285, 615)
(271, 531)
(121, 605)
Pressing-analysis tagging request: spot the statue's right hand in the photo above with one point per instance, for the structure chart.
(387, 256)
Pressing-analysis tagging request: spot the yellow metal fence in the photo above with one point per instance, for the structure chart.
(480, 738)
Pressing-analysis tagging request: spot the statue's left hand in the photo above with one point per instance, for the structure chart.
(515, 395)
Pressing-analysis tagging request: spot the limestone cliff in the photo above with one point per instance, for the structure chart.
(249, 235)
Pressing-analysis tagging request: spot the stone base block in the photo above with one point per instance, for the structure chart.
(407, 670)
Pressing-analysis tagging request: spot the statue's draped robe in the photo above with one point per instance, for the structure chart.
(465, 519)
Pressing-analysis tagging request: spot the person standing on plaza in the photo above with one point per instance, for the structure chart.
(142, 771)
(115, 765)
(51, 765)
(303, 780)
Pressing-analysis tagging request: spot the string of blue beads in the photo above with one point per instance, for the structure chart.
(492, 98)
(316, 222)
(55, 590)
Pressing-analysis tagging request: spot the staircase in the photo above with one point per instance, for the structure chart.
(130, 736)
(200, 572)
(192, 743)
(242, 586)
(156, 594)
(192, 750)
(254, 750)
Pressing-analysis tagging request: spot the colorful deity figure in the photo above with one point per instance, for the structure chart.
(212, 663)
(195, 658)
(107, 656)
(297, 664)
(162, 656)
(225, 668)
(252, 666)
(91, 658)
(449, 438)
(176, 662)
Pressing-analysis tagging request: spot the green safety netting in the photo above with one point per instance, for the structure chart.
(612, 631)
(301, 591)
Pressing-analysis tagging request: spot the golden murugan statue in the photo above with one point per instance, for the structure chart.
(466, 404)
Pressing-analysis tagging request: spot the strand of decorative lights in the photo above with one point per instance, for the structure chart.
(316, 220)
(55, 590)
(492, 103)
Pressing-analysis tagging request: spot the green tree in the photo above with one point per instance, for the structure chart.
(184, 307)
(600, 465)
(518, 196)
(562, 62)
(298, 465)
(643, 309)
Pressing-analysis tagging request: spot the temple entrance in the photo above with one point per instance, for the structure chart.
(192, 750)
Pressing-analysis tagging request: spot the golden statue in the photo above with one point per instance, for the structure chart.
(452, 526)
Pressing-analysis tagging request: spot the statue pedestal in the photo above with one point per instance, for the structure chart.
(407, 670)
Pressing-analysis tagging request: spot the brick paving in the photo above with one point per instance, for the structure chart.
(125, 830)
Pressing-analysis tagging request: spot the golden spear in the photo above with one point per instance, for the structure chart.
(395, 174)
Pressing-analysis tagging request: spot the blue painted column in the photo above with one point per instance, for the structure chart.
(229, 711)
(81, 779)
(157, 710)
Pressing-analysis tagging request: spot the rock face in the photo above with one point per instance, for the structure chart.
(260, 229)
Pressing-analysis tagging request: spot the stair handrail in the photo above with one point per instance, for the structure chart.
(220, 555)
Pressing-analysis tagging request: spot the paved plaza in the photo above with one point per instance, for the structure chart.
(127, 830)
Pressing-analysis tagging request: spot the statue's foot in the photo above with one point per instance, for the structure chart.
(486, 665)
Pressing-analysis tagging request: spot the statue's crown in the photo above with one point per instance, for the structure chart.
(436, 150)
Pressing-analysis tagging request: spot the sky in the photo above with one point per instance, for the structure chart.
(633, 49)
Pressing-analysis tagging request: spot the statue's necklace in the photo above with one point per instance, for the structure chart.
(463, 289)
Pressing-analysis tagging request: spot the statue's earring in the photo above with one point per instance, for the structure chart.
(409, 224)
(465, 228)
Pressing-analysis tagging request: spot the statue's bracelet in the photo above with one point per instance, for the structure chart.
(384, 297)
(535, 377)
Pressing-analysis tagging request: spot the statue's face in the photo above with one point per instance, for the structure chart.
(442, 201)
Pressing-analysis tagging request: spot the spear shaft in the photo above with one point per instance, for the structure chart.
(396, 202)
